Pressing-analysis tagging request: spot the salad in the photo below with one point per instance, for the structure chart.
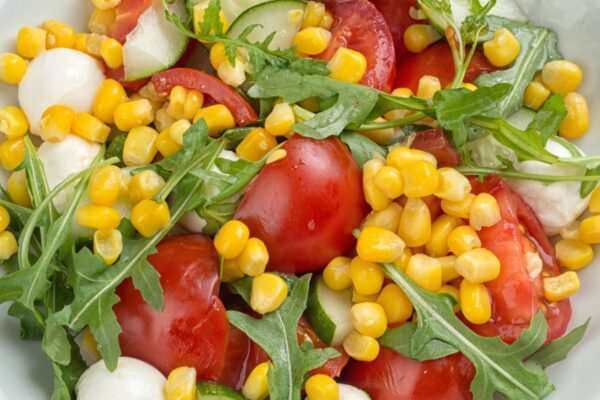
(338, 200)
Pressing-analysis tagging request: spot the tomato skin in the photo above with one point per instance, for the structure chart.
(305, 206)
(397, 16)
(210, 86)
(434, 141)
(128, 14)
(392, 376)
(192, 328)
(436, 60)
(358, 25)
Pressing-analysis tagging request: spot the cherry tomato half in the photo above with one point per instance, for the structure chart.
(128, 13)
(434, 141)
(305, 206)
(397, 15)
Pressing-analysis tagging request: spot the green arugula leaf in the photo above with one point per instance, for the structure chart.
(588, 187)
(66, 376)
(115, 148)
(31, 328)
(275, 332)
(362, 148)
(400, 339)
(146, 280)
(548, 119)
(557, 350)
(510, 172)
(55, 342)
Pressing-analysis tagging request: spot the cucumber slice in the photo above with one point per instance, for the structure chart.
(521, 118)
(349, 392)
(272, 16)
(155, 44)
(231, 8)
(215, 391)
(328, 312)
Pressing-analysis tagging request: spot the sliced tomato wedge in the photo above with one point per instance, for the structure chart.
(436, 142)
(210, 86)
(436, 60)
(397, 15)
(128, 14)
(358, 25)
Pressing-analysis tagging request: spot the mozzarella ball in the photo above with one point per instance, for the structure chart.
(59, 76)
(132, 380)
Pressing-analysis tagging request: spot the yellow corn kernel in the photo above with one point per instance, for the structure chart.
(12, 153)
(93, 44)
(454, 292)
(347, 65)
(418, 37)
(4, 219)
(89, 344)
(395, 303)
(313, 14)
(140, 146)
(336, 274)
(589, 229)
(31, 42)
(321, 387)
(449, 272)
(269, 291)
(362, 298)
(312, 40)
(256, 145)
(478, 265)
(437, 246)
(198, 18)
(165, 145)
(98, 217)
(503, 49)
(91, 128)
(561, 76)
(58, 34)
(277, 155)
(574, 254)
(402, 262)
(360, 347)
(389, 180)
(398, 114)
(536, 95)
(484, 211)
(80, 43)
(108, 244)
(162, 119)
(56, 123)
(571, 231)
(217, 55)
(428, 86)
(279, 122)
(231, 239)
(561, 287)
(382, 136)
(374, 196)
(458, 209)
(577, 121)
(149, 217)
(232, 74)
(217, 117)
(475, 302)
(145, 185)
(388, 218)
(463, 239)
(13, 122)
(594, 205)
(101, 20)
(453, 186)
(326, 21)
(184, 103)
(420, 179)
(367, 277)
(130, 114)
(17, 189)
(369, 319)
(256, 386)
(8, 245)
(401, 157)
(112, 52)
(181, 384)
(254, 258)
(178, 129)
(12, 68)
(231, 271)
(104, 185)
(415, 223)
(109, 96)
(106, 4)
(425, 271)
(469, 86)
(379, 245)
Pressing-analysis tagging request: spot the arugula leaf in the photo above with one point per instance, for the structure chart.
(115, 148)
(588, 187)
(557, 350)
(31, 328)
(362, 148)
(399, 340)
(146, 280)
(66, 376)
(275, 332)
(538, 46)
(510, 172)
(548, 119)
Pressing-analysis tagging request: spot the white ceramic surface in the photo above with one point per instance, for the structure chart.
(24, 373)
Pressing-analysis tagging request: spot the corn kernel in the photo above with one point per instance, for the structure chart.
(231, 271)
(389, 180)
(17, 189)
(4, 219)
(571, 231)
(104, 185)
(402, 262)
(382, 136)
(360, 347)
(503, 49)
(367, 277)
(90, 345)
(388, 218)
(478, 265)
(109, 96)
(399, 114)
(31, 42)
(415, 223)
(536, 95)
(458, 209)
(321, 387)
(108, 244)
(475, 302)
(217, 55)
(93, 44)
(181, 384)
(463, 239)
(8, 245)
(165, 145)
(256, 145)
(12, 68)
(232, 74)
(363, 298)
(453, 186)
(178, 129)
(594, 205)
(80, 43)
(140, 146)
(420, 179)
(256, 386)
(91, 128)
(469, 86)
(13, 122)
(428, 87)
(374, 196)
(425, 271)
(184, 103)
(106, 4)
(437, 245)
(218, 118)
(395, 303)
(326, 21)
(313, 14)
(131, 114)
(336, 274)
(269, 291)
(254, 258)
(312, 40)
(198, 18)
(162, 119)
(277, 155)
(484, 211)
(577, 121)
(347, 65)
(589, 229)
(561, 76)
(231, 239)
(98, 217)
(145, 185)
(401, 157)
(101, 20)
(574, 254)
(279, 122)
(369, 319)
(449, 272)
(112, 52)
(418, 37)
(12, 153)
(149, 217)
(56, 123)
(379, 245)
(561, 287)
(454, 292)
(58, 34)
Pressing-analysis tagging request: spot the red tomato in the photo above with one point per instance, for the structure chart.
(516, 297)
(128, 13)
(436, 60)
(305, 206)
(394, 377)
(358, 25)
(434, 141)
(192, 328)
(396, 13)
(209, 86)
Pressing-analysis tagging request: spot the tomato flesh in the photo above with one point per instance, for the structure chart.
(128, 14)
(397, 15)
(434, 141)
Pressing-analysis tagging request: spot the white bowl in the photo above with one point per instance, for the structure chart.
(24, 372)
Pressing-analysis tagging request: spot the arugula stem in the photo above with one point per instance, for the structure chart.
(484, 171)
(373, 126)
